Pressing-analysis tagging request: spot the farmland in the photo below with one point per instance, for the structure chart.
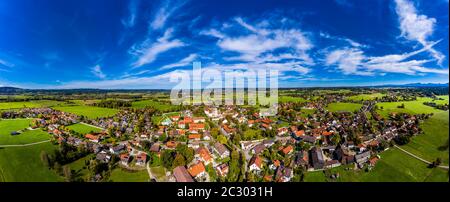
(23, 164)
(157, 105)
(341, 106)
(26, 137)
(29, 104)
(83, 128)
(122, 175)
(88, 111)
(366, 97)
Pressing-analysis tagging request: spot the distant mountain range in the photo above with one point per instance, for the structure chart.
(14, 90)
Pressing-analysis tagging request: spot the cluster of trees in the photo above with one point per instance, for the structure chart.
(113, 104)
(181, 156)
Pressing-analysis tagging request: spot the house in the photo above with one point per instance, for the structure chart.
(197, 170)
(275, 164)
(373, 161)
(203, 155)
(282, 131)
(103, 157)
(171, 144)
(317, 158)
(309, 139)
(268, 143)
(301, 158)
(124, 159)
(362, 157)
(283, 174)
(181, 124)
(258, 148)
(141, 159)
(255, 164)
(207, 135)
(117, 149)
(194, 136)
(196, 127)
(222, 169)
(332, 163)
(92, 138)
(181, 174)
(299, 134)
(287, 150)
(221, 150)
(155, 148)
(175, 118)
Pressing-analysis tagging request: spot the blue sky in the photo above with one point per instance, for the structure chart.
(138, 44)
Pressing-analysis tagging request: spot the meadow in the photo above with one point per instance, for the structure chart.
(83, 128)
(165, 107)
(88, 111)
(394, 166)
(122, 175)
(411, 107)
(341, 106)
(23, 164)
(360, 97)
(29, 104)
(27, 136)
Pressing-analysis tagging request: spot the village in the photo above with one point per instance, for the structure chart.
(232, 143)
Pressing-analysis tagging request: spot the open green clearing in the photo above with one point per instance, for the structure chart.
(157, 105)
(122, 175)
(394, 166)
(23, 164)
(29, 104)
(88, 111)
(431, 144)
(83, 128)
(341, 106)
(79, 167)
(291, 99)
(159, 173)
(411, 107)
(360, 97)
(27, 136)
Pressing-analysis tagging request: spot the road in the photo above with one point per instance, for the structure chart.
(418, 158)
(24, 145)
(150, 175)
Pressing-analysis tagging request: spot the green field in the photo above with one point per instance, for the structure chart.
(411, 107)
(88, 111)
(157, 105)
(122, 175)
(23, 164)
(394, 166)
(79, 167)
(341, 106)
(365, 96)
(83, 128)
(290, 99)
(159, 172)
(429, 145)
(30, 104)
(27, 136)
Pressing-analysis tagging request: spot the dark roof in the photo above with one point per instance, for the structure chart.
(182, 175)
(317, 158)
(220, 148)
(259, 148)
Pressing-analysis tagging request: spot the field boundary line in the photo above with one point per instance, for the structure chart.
(418, 158)
(24, 145)
(86, 124)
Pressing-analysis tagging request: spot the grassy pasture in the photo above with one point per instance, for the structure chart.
(83, 128)
(29, 104)
(365, 96)
(341, 106)
(394, 166)
(122, 175)
(88, 111)
(157, 105)
(23, 164)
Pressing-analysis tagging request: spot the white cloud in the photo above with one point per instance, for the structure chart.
(416, 27)
(148, 51)
(97, 71)
(354, 61)
(183, 62)
(130, 21)
(5, 63)
(164, 12)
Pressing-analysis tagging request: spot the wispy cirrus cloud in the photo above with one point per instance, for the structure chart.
(164, 12)
(6, 63)
(353, 61)
(148, 51)
(187, 61)
(97, 71)
(130, 21)
(416, 27)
